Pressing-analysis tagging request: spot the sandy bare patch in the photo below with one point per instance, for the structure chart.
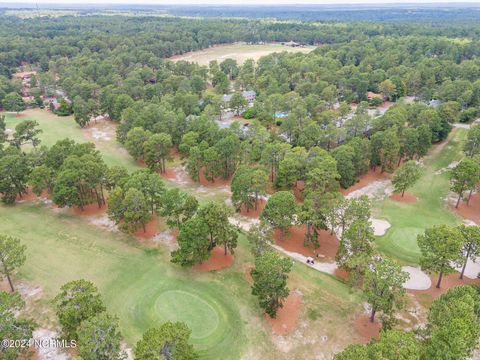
(49, 353)
(448, 168)
(418, 279)
(167, 238)
(363, 180)
(366, 329)
(287, 316)
(243, 223)
(103, 221)
(380, 227)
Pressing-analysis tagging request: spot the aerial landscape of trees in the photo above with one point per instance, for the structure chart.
(280, 142)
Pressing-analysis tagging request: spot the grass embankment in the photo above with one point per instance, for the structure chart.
(409, 220)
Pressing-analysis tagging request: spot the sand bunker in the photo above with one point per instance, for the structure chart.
(448, 281)
(287, 317)
(418, 279)
(380, 227)
(472, 270)
(406, 198)
(217, 261)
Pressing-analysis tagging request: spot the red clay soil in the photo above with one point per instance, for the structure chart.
(90, 210)
(407, 197)
(253, 213)
(217, 261)
(287, 317)
(366, 329)
(366, 179)
(293, 241)
(170, 174)
(151, 229)
(471, 211)
(218, 182)
(342, 274)
(29, 196)
(448, 281)
(386, 104)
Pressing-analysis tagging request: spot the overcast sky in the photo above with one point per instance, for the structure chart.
(236, 2)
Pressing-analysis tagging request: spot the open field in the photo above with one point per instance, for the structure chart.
(410, 219)
(239, 52)
(56, 128)
(143, 288)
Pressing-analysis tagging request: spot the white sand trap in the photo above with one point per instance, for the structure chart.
(472, 269)
(418, 279)
(380, 227)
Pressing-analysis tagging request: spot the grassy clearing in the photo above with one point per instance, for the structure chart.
(239, 52)
(57, 127)
(409, 220)
(136, 283)
(143, 288)
(102, 134)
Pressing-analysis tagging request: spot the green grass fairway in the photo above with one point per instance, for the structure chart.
(409, 220)
(140, 286)
(60, 127)
(56, 128)
(239, 52)
(144, 289)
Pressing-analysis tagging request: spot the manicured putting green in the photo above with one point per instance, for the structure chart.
(198, 314)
